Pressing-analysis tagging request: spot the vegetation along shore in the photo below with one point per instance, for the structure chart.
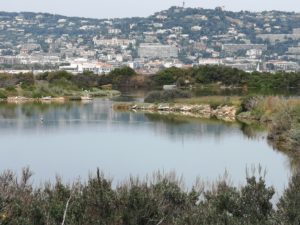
(280, 115)
(161, 199)
(61, 83)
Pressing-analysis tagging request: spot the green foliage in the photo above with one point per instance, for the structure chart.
(202, 75)
(11, 80)
(158, 201)
(3, 94)
(121, 76)
(168, 76)
(249, 103)
(282, 115)
(256, 201)
(294, 134)
(124, 71)
(229, 77)
(289, 205)
(279, 80)
(101, 201)
(59, 75)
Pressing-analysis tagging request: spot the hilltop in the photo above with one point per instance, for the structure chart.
(195, 32)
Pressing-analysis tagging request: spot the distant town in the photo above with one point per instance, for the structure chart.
(178, 37)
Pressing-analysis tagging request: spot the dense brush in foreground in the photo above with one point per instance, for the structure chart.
(160, 200)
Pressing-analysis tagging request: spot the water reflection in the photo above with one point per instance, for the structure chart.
(74, 138)
(43, 117)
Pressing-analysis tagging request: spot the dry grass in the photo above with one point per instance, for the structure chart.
(122, 106)
(212, 100)
(272, 105)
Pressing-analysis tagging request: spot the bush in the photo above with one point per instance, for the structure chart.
(289, 204)
(281, 124)
(249, 103)
(3, 94)
(161, 200)
(58, 75)
(119, 77)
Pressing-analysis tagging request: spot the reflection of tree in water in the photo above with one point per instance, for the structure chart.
(29, 110)
(293, 157)
(8, 111)
(178, 126)
(29, 115)
(252, 131)
(33, 108)
(255, 130)
(168, 119)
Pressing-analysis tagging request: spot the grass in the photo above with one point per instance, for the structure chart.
(96, 92)
(62, 89)
(283, 118)
(212, 100)
(268, 107)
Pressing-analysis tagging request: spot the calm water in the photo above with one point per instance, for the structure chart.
(74, 139)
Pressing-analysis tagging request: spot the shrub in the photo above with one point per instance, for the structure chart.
(249, 103)
(281, 124)
(161, 200)
(289, 204)
(3, 94)
(52, 76)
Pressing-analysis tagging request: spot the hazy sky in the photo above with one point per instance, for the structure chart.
(128, 8)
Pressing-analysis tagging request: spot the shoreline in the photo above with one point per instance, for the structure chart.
(283, 140)
(225, 113)
(60, 99)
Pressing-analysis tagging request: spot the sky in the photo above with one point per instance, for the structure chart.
(130, 8)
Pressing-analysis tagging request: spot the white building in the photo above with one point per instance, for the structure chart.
(210, 61)
(155, 50)
(113, 42)
(79, 66)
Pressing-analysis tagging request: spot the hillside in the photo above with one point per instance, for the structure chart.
(197, 32)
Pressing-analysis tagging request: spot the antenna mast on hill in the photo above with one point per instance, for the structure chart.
(183, 4)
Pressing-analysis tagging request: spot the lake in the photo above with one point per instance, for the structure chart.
(73, 139)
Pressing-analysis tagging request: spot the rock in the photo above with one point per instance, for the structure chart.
(163, 107)
(226, 113)
(186, 108)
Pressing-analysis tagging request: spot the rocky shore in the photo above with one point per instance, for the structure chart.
(82, 96)
(22, 99)
(226, 113)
